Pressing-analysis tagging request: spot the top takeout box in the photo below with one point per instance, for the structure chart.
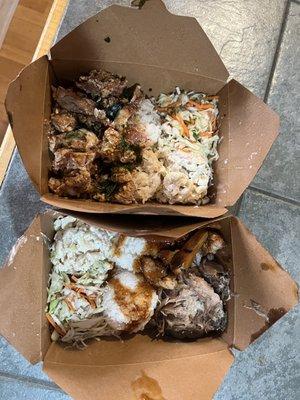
(159, 50)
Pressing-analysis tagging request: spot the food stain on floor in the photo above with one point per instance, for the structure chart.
(146, 388)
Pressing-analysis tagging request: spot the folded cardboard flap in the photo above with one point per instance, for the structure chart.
(264, 292)
(25, 105)
(253, 127)
(88, 206)
(150, 36)
(160, 370)
(23, 283)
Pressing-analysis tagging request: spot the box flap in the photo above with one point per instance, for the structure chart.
(251, 128)
(88, 206)
(140, 368)
(162, 226)
(24, 104)
(22, 300)
(149, 36)
(264, 292)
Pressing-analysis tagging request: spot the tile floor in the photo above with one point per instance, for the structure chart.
(259, 43)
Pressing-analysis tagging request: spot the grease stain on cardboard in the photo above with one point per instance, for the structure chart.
(267, 267)
(273, 315)
(146, 388)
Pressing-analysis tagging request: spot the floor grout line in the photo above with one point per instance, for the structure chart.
(274, 195)
(30, 381)
(277, 50)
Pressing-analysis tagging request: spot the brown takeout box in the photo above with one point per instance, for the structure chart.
(160, 51)
(130, 370)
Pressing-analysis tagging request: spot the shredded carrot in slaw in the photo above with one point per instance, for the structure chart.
(201, 107)
(182, 124)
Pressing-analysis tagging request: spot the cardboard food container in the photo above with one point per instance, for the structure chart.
(131, 369)
(159, 50)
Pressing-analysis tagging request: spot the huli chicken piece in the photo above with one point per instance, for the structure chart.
(73, 102)
(67, 160)
(75, 184)
(102, 84)
(63, 122)
(80, 140)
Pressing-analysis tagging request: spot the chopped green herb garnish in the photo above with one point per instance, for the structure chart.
(109, 188)
(79, 134)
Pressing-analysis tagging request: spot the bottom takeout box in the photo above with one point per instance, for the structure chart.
(139, 366)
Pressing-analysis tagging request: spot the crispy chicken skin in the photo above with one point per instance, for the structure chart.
(102, 84)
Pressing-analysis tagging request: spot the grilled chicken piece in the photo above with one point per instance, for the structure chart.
(110, 146)
(125, 194)
(67, 160)
(184, 258)
(63, 122)
(191, 310)
(156, 273)
(130, 109)
(73, 102)
(113, 148)
(76, 184)
(102, 84)
(96, 121)
(214, 243)
(81, 140)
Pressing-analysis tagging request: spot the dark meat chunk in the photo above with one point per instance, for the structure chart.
(76, 184)
(102, 84)
(67, 160)
(191, 310)
(73, 102)
(216, 276)
(63, 122)
(81, 140)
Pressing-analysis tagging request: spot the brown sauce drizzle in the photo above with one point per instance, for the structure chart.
(135, 304)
